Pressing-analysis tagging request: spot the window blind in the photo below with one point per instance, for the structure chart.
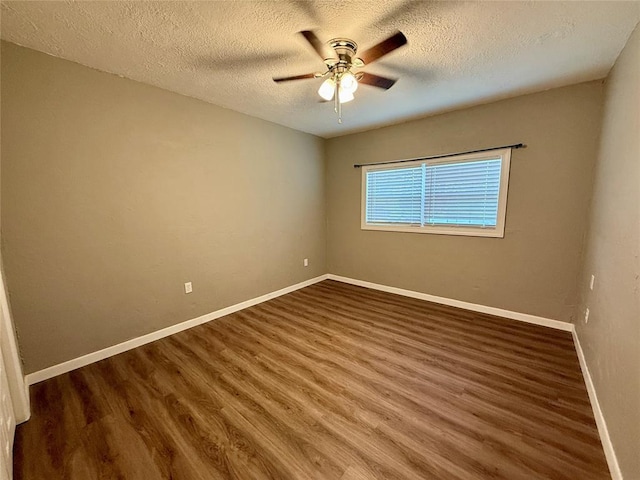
(464, 193)
(395, 195)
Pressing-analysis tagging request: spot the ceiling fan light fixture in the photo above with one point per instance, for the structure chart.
(345, 95)
(348, 82)
(327, 89)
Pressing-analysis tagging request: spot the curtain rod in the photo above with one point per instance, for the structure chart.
(514, 146)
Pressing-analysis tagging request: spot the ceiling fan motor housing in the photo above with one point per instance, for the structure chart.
(345, 49)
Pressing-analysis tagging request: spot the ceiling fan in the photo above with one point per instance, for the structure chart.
(341, 81)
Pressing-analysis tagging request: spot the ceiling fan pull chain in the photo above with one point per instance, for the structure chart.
(338, 81)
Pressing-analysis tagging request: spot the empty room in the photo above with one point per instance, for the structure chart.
(346, 240)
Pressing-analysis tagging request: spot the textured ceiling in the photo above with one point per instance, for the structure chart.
(226, 52)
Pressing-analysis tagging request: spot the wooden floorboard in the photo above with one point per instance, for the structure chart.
(332, 381)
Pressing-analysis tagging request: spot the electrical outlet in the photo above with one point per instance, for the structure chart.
(188, 288)
(593, 279)
(586, 316)
(306, 262)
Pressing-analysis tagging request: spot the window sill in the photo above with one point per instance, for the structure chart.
(440, 230)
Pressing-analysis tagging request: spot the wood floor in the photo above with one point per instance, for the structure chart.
(332, 381)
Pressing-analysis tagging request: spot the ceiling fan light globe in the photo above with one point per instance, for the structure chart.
(345, 96)
(327, 89)
(348, 82)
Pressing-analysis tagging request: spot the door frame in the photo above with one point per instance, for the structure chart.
(18, 388)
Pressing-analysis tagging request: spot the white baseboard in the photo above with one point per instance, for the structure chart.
(75, 363)
(607, 446)
(165, 332)
(523, 317)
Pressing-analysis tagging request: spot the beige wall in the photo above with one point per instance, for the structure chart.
(611, 338)
(115, 193)
(534, 268)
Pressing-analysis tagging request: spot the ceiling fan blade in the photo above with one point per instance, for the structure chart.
(377, 81)
(389, 45)
(294, 77)
(315, 42)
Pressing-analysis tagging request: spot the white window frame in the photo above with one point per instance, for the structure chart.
(475, 231)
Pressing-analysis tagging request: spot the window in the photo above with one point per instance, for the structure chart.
(461, 195)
